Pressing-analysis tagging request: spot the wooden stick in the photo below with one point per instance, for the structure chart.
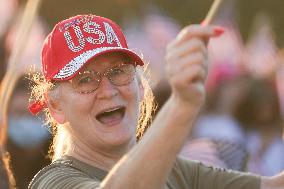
(212, 12)
(13, 73)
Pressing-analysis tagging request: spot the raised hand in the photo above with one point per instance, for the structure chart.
(186, 64)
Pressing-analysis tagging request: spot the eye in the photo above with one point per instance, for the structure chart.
(85, 79)
(117, 71)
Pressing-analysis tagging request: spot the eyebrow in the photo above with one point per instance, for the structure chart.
(110, 62)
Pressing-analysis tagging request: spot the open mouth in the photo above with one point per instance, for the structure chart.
(111, 116)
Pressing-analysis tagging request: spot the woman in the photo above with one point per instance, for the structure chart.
(93, 94)
(259, 114)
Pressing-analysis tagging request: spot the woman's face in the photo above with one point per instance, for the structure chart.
(105, 118)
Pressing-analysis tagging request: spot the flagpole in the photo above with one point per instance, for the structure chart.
(212, 12)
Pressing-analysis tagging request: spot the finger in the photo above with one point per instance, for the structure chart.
(178, 65)
(199, 77)
(193, 45)
(203, 32)
(188, 63)
(195, 58)
(194, 74)
(200, 31)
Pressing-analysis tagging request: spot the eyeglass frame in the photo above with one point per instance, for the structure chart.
(100, 74)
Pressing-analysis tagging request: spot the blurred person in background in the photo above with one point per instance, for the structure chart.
(204, 150)
(150, 35)
(28, 140)
(258, 112)
(7, 10)
(216, 131)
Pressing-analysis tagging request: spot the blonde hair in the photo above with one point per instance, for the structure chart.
(59, 145)
(5, 169)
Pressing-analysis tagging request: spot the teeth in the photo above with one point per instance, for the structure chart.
(111, 110)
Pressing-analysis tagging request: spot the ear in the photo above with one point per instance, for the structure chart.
(55, 109)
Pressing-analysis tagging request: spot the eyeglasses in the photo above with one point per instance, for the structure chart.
(89, 80)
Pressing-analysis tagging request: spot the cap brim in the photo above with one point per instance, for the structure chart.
(71, 68)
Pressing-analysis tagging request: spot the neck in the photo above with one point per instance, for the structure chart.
(100, 157)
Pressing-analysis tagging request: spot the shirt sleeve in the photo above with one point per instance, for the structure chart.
(199, 176)
(63, 177)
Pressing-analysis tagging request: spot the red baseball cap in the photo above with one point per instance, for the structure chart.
(76, 40)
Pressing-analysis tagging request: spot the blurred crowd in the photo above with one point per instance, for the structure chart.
(240, 126)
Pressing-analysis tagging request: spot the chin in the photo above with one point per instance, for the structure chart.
(120, 141)
(117, 148)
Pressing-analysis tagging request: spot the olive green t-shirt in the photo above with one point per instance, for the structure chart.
(70, 173)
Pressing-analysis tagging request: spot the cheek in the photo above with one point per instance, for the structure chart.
(132, 91)
(76, 105)
(133, 96)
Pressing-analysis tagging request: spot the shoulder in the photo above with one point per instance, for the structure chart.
(181, 175)
(62, 174)
(195, 173)
(185, 165)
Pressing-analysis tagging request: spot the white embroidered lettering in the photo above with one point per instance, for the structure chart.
(95, 30)
(70, 42)
(110, 35)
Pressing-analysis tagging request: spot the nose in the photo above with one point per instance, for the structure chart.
(106, 89)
